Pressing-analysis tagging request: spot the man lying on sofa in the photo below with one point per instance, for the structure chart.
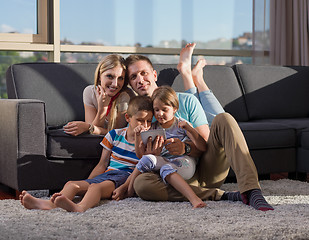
(226, 145)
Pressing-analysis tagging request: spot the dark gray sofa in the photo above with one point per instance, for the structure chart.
(269, 103)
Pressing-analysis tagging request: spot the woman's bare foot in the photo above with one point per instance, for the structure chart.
(184, 65)
(66, 204)
(31, 202)
(197, 75)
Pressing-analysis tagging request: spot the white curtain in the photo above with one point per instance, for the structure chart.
(289, 25)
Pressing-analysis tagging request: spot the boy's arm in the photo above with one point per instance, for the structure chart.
(139, 145)
(102, 165)
(194, 136)
(126, 189)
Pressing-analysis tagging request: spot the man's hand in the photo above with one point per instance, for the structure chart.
(175, 146)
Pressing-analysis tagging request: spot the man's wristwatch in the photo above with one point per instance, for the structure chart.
(187, 148)
(91, 129)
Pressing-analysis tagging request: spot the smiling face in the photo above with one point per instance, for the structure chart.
(141, 118)
(163, 113)
(142, 78)
(112, 80)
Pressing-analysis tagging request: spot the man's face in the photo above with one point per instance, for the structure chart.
(142, 78)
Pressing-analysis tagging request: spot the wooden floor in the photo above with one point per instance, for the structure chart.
(6, 193)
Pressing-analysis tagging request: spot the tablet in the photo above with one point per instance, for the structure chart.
(152, 133)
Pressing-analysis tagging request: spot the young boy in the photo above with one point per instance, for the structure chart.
(117, 161)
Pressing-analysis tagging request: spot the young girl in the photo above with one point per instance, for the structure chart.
(172, 168)
(106, 101)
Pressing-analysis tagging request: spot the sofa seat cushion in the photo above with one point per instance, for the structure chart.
(268, 135)
(301, 126)
(63, 146)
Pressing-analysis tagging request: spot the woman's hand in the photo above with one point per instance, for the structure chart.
(76, 128)
(102, 98)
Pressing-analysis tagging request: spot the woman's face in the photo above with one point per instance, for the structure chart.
(112, 80)
(163, 113)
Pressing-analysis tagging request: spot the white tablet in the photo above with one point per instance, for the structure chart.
(152, 133)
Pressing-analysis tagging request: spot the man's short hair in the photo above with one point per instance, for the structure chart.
(135, 58)
(139, 103)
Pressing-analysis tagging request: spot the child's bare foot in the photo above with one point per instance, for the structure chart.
(65, 203)
(31, 202)
(184, 65)
(197, 75)
(54, 196)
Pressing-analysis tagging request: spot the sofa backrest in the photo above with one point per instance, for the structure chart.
(275, 91)
(60, 86)
(220, 79)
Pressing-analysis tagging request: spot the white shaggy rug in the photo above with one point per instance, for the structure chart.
(136, 219)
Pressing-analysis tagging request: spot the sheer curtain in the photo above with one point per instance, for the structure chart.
(289, 23)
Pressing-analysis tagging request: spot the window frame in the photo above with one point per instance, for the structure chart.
(48, 40)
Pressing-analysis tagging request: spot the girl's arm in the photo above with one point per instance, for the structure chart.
(102, 165)
(194, 136)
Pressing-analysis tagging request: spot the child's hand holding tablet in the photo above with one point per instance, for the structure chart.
(152, 133)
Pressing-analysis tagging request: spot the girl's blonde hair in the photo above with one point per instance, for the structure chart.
(167, 95)
(109, 62)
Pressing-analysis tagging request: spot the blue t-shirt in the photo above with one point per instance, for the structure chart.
(191, 109)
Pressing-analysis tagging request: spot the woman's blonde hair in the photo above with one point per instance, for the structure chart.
(167, 95)
(109, 62)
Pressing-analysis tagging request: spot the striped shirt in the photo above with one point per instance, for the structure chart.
(123, 155)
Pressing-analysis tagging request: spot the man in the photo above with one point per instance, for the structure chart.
(226, 147)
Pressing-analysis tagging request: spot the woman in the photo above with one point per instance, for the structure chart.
(106, 101)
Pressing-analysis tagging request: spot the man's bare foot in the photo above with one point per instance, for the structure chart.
(198, 203)
(66, 204)
(31, 202)
(184, 64)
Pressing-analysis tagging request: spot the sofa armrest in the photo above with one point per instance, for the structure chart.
(23, 127)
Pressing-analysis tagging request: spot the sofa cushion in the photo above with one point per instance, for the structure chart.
(220, 79)
(275, 91)
(268, 135)
(60, 86)
(64, 146)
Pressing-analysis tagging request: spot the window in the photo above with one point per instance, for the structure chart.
(220, 24)
(23, 21)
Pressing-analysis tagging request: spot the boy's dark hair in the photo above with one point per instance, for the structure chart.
(139, 103)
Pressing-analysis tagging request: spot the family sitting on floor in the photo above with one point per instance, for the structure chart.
(157, 170)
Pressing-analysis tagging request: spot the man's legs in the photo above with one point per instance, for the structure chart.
(150, 186)
(227, 147)
(227, 139)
